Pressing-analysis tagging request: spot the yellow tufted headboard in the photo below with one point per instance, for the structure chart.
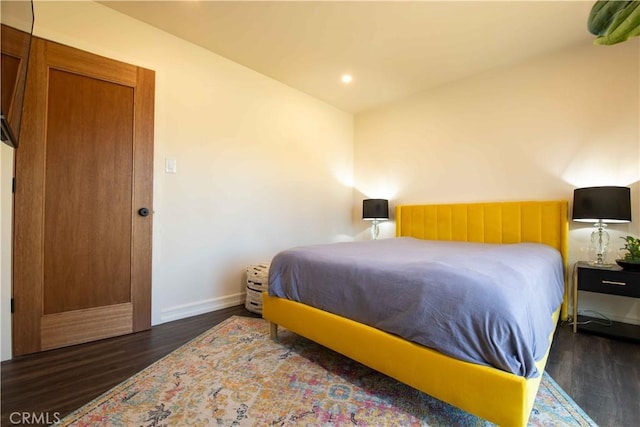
(504, 222)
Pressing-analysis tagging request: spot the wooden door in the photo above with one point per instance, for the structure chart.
(84, 169)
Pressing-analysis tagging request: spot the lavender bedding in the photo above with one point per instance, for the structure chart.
(489, 304)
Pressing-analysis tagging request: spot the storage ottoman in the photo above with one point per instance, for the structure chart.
(257, 283)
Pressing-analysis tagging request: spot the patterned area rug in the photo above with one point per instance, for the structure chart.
(234, 375)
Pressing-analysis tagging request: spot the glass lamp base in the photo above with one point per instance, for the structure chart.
(375, 230)
(600, 244)
(601, 265)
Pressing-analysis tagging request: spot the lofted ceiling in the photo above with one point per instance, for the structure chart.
(391, 49)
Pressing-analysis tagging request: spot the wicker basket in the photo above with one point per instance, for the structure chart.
(257, 283)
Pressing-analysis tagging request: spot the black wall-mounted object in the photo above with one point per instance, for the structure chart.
(17, 19)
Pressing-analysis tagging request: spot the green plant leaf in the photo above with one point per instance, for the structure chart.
(614, 21)
(632, 247)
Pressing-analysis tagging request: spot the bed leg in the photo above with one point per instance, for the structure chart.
(273, 331)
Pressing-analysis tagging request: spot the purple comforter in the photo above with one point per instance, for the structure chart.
(484, 303)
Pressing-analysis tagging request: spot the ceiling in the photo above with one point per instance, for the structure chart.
(392, 49)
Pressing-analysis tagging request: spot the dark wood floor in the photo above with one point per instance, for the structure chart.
(600, 374)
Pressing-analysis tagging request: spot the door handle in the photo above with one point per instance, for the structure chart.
(143, 211)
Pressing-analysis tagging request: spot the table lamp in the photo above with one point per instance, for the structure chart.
(601, 205)
(375, 210)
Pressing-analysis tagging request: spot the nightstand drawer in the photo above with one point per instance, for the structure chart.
(614, 282)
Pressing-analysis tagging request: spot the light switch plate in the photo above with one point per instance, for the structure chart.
(170, 166)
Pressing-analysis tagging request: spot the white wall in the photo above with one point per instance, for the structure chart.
(260, 166)
(6, 207)
(532, 131)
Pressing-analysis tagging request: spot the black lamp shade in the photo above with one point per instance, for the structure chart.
(609, 204)
(375, 209)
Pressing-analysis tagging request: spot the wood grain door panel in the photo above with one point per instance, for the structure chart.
(82, 254)
(76, 327)
(89, 222)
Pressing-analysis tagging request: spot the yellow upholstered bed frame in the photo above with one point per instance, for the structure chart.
(503, 398)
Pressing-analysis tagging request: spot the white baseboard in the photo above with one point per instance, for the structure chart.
(200, 307)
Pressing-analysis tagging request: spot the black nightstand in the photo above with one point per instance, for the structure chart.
(611, 280)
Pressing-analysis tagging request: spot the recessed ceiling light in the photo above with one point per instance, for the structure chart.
(346, 78)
